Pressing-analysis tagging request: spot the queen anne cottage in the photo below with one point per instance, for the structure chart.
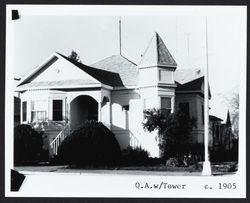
(61, 94)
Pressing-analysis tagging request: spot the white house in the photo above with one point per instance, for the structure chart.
(64, 93)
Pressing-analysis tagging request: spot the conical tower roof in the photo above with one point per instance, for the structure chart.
(157, 54)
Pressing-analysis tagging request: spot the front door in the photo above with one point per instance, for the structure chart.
(57, 110)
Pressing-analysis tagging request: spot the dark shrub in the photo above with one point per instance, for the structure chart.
(134, 157)
(173, 162)
(196, 151)
(222, 155)
(93, 144)
(28, 145)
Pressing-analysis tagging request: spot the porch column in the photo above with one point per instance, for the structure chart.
(173, 104)
(28, 111)
(68, 110)
(110, 113)
(99, 111)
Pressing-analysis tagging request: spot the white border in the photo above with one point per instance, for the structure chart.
(93, 185)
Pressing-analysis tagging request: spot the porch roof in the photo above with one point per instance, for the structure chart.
(58, 83)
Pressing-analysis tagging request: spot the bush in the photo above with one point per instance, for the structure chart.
(28, 145)
(93, 144)
(134, 157)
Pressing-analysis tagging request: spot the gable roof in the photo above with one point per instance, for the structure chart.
(103, 76)
(157, 54)
(38, 70)
(186, 75)
(191, 86)
(126, 69)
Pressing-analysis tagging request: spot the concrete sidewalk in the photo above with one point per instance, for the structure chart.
(51, 170)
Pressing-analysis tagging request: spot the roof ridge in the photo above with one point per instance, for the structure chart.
(95, 72)
(115, 55)
(87, 66)
(129, 60)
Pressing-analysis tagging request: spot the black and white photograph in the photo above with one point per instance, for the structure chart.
(125, 101)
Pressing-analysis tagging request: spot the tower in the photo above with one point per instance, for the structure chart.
(156, 76)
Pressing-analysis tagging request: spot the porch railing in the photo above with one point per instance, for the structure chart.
(54, 145)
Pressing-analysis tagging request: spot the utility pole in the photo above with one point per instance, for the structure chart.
(176, 37)
(206, 164)
(188, 48)
(188, 36)
(120, 36)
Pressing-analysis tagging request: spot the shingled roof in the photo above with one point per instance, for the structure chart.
(103, 76)
(157, 54)
(192, 85)
(126, 69)
(186, 75)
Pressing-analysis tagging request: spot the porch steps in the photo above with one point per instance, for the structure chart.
(54, 133)
(56, 141)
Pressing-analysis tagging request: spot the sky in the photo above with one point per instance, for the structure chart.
(96, 36)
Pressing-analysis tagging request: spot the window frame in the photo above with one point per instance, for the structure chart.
(160, 76)
(167, 110)
(57, 110)
(35, 112)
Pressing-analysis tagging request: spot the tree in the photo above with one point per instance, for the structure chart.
(234, 104)
(174, 131)
(74, 56)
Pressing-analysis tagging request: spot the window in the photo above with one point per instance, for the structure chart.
(38, 110)
(24, 107)
(184, 108)
(165, 76)
(38, 115)
(166, 105)
(57, 110)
